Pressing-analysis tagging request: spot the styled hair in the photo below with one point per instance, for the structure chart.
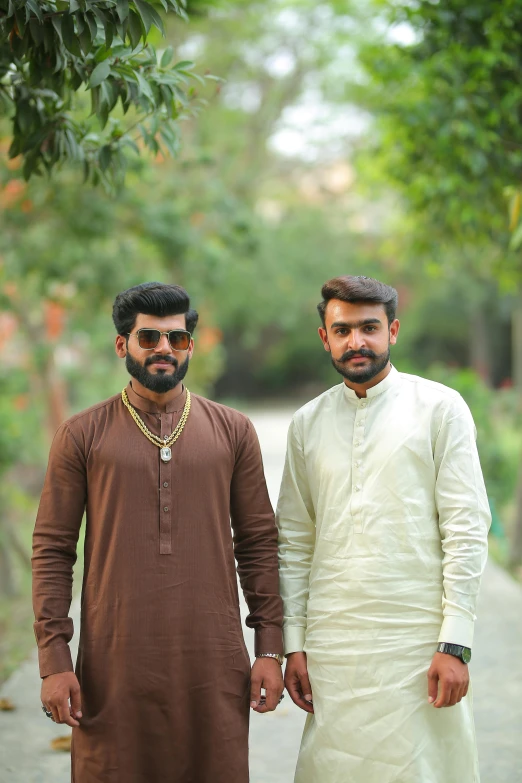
(157, 299)
(359, 288)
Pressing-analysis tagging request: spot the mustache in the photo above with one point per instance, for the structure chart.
(159, 358)
(361, 352)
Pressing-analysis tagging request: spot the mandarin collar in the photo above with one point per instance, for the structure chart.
(143, 404)
(391, 379)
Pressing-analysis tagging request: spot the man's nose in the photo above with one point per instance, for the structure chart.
(163, 346)
(355, 340)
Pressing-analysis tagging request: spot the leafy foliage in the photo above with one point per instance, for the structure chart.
(449, 105)
(56, 55)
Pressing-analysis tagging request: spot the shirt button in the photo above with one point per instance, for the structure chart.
(363, 405)
(358, 463)
(360, 423)
(357, 488)
(165, 508)
(165, 483)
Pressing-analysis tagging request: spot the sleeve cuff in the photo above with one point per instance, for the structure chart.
(55, 659)
(457, 630)
(294, 637)
(268, 640)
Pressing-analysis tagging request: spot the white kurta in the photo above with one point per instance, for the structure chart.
(383, 520)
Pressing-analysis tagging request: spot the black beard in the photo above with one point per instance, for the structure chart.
(161, 382)
(377, 364)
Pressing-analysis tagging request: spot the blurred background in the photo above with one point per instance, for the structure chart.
(375, 138)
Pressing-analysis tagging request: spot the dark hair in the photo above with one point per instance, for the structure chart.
(349, 288)
(151, 299)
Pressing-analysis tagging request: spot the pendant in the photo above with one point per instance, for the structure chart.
(166, 454)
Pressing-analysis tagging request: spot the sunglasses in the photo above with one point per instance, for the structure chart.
(148, 339)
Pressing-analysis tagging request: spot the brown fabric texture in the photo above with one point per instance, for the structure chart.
(162, 662)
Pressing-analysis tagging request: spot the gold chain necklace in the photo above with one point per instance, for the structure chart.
(169, 440)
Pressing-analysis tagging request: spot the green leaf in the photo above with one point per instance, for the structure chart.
(105, 157)
(183, 65)
(37, 31)
(167, 56)
(145, 87)
(100, 73)
(149, 15)
(122, 8)
(20, 22)
(135, 29)
(93, 26)
(70, 39)
(35, 8)
(85, 40)
(57, 24)
(74, 5)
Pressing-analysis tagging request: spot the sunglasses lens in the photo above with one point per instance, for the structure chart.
(179, 341)
(148, 338)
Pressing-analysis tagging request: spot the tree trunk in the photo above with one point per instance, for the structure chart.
(480, 354)
(516, 551)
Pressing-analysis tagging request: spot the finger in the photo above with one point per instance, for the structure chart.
(433, 686)
(261, 707)
(64, 714)
(466, 688)
(255, 692)
(444, 694)
(76, 703)
(48, 708)
(306, 688)
(273, 692)
(454, 696)
(461, 692)
(293, 688)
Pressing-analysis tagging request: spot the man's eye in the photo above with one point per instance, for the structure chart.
(341, 331)
(371, 328)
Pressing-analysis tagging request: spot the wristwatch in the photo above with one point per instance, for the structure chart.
(279, 658)
(464, 653)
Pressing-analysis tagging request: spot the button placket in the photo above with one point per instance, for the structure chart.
(165, 492)
(357, 478)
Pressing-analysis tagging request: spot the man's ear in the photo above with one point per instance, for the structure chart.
(120, 346)
(394, 331)
(324, 338)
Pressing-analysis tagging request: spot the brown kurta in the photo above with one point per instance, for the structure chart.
(162, 663)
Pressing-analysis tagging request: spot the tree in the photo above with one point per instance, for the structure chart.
(58, 54)
(449, 108)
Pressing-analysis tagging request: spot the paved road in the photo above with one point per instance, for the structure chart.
(25, 756)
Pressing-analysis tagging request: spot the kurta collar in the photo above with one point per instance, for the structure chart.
(391, 379)
(143, 404)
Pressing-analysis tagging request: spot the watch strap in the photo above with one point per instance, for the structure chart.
(279, 658)
(457, 650)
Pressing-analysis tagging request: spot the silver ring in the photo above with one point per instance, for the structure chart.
(48, 713)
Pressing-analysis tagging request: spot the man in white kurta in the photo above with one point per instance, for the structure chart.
(383, 520)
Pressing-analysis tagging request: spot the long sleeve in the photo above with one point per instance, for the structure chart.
(464, 520)
(296, 523)
(255, 545)
(54, 551)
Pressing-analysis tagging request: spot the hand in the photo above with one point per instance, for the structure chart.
(297, 682)
(57, 691)
(266, 673)
(449, 677)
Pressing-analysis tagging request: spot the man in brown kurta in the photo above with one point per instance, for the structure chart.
(163, 671)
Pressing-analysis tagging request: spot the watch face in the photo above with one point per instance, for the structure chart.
(466, 654)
